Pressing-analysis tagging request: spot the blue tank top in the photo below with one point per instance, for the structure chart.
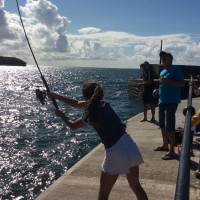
(108, 126)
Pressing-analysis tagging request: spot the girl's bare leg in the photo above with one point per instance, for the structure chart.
(133, 180)
(106, 183)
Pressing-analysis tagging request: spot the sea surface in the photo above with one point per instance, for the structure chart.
(36, 147)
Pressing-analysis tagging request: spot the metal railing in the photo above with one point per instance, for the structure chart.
(183, 179)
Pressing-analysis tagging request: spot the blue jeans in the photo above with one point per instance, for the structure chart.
(167, 116)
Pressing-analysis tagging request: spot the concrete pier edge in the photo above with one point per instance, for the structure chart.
(158, 177)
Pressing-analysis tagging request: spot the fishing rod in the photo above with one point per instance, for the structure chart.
(40, 94)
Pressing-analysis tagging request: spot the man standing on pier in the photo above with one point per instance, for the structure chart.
(147, 96)
(171, 81)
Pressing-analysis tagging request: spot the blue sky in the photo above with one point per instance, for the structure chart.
(106, 33)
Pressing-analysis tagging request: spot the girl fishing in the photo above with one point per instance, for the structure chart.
(122, 155)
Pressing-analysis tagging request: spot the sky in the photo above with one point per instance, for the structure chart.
(101, 33)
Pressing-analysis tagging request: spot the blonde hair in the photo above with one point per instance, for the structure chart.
(93, 95)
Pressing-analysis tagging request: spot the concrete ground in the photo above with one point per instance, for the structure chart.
(158, 177)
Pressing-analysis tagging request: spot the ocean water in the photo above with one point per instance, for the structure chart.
(36, 147)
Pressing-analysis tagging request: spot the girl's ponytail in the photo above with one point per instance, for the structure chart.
(93, 94)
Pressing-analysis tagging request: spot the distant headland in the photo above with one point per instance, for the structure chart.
(12, 61)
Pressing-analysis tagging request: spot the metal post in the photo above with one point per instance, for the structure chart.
(183, 179)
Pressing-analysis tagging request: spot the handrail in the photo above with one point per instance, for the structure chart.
(183, 179)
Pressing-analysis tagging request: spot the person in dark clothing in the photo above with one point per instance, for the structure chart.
(147, 96)
(122, 155)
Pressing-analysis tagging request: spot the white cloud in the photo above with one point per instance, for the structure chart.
(46, 30)
(113, 45)
(46, 13)
(46, 22)
(2, 3)
(89, 30)
(5, 31)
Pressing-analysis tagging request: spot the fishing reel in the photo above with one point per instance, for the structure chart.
(41, 95)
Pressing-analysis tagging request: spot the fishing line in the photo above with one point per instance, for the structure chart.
(39, 93)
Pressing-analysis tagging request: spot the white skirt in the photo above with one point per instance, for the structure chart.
(122, 156)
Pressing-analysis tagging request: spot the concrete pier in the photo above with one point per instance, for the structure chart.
(158, 177)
